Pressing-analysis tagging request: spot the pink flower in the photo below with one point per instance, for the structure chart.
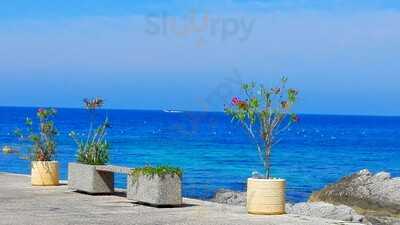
(235, 101)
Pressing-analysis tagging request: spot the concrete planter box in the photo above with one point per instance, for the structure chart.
(155, 190)
(86, 178)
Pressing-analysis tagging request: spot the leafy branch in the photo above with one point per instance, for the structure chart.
(264, 114)
(43, 142)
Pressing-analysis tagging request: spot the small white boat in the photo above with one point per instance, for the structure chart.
(172, 111)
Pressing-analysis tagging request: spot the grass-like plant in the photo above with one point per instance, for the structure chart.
(43, 141)
(93, 150)
(160, 171)
(263, 113)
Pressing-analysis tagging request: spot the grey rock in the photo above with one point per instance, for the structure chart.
(375, 196)
(383, 220)
(382, 176)
(155, 190)
(225, 196)
(9, 150)
(318, 210)
(325, 210)
(86, 178)
(257, 175)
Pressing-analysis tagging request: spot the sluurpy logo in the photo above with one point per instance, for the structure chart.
(202, 27)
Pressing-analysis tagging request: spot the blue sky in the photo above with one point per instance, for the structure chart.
(342, 55)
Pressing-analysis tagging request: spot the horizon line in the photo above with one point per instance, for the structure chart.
(201, 111)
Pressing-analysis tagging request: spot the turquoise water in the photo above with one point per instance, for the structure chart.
(215, 153)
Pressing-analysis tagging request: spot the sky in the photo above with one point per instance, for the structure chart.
(341, 55)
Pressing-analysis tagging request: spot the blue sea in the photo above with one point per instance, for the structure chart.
(216, 153)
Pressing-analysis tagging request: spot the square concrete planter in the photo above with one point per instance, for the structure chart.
(155, 190)
(86, 178)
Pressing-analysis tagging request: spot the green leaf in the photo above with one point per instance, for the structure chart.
(18, 133)
(28, 122)
(254, 103)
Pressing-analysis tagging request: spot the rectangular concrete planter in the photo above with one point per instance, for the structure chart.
(86, 178)
(155, 190)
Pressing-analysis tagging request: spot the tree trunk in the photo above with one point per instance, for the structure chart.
(268, 161)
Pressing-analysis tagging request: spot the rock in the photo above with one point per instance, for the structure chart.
(382, 176)
(325, 210)
(319, 210)
(375, 196)
(383, 220)
(8, 150)
(230, 197)
(257, 175)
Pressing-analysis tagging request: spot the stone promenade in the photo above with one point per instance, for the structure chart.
(20, 203)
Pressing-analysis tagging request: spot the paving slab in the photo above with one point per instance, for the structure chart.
(20, 203)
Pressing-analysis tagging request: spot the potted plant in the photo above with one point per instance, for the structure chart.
(44, 170)
(159, 186)
(92, 151)
(265, 113)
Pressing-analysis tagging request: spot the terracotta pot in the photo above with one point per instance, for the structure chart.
(266, 196)
(45, 173)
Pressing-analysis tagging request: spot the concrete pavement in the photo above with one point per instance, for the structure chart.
(20, 203)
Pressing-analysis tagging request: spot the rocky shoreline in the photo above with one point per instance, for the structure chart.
(377, 196)
(361, 197)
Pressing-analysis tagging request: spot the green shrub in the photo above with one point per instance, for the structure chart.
(160, 171)
(93, 150)
(263, 112)
(43, 142)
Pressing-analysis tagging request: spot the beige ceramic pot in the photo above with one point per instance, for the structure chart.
(45, 173)
(266, 196)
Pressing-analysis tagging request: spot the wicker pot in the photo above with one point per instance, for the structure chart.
(44, 173)
(266, 196)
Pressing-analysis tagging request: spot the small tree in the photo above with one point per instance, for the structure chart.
(93, 150)
(43, 142)
(264, 114)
